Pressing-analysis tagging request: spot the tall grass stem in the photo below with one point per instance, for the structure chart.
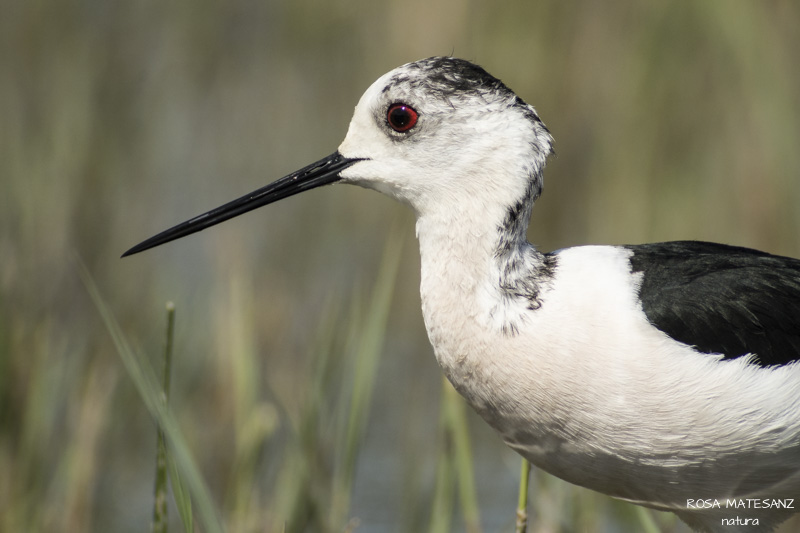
(160, 510)
(522, 502)
(146, 382)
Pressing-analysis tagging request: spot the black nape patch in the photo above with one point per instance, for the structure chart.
(722, 299)
(525, 273)
(518, 216)
(448, 76)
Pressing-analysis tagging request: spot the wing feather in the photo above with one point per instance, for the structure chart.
(722, 299)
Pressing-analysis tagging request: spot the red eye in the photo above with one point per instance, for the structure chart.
(401, 117)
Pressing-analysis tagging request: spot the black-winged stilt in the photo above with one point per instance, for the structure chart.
(662, 374)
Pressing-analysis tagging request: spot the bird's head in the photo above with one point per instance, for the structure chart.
(439, 134)
(442, 131)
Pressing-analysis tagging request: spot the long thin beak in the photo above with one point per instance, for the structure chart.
(323, 172)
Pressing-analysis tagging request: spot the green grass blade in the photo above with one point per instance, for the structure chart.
(146, 382)
(462, 457)
(454, 467)
(368, 350)
(180, 491)
(182, 495)
(522, 502)
(160, 512)
(443, 499)
(646, 520)
(301, 456)
(442, 507)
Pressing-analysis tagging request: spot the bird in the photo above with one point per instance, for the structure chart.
(662, 374)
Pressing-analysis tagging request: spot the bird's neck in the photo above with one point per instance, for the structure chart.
(479, 278)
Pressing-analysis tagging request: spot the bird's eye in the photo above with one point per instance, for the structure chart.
(401, 117)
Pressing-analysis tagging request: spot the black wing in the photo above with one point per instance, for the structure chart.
(722, 299)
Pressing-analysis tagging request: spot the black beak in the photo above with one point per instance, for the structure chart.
(322, 172)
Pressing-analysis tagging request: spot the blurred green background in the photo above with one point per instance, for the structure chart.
(672, 120)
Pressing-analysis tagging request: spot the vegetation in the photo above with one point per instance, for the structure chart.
(305, 396)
